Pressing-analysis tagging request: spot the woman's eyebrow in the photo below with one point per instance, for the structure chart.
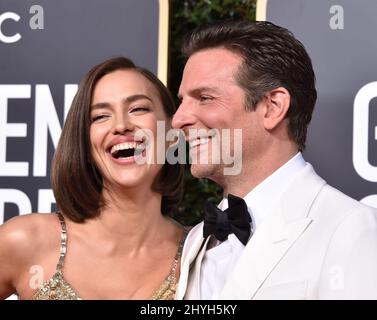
(100, 105)
(136, 97)
(128, 100)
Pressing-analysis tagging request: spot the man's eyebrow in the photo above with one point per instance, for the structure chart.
(128, 100)
(197, 91)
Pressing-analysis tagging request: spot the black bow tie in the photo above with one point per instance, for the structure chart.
(236, 219)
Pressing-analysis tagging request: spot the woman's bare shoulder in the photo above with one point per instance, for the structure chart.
(24, 234)
(23, 239)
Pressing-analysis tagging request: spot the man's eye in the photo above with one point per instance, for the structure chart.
(205, 98)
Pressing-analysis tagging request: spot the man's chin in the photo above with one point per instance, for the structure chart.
(202, 170)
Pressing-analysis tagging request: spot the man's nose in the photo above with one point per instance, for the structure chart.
(184, 117)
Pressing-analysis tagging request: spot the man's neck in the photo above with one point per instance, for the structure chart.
(253, 174)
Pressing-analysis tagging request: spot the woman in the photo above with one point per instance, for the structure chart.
(113, 238)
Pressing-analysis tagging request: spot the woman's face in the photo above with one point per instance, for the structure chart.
(125, 106)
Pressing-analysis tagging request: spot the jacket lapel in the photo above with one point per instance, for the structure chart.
(274, 237)
(193, 244)
(193, 284)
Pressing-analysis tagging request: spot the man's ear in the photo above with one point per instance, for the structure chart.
(277, 105)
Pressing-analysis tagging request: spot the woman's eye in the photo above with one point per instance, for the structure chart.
(140, 109)
(98, 117)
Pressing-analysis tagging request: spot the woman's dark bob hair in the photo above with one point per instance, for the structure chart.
(76, 182)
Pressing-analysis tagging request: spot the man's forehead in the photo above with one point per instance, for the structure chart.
(195, 82)
(214, 56)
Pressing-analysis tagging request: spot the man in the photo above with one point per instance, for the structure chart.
(302, 239)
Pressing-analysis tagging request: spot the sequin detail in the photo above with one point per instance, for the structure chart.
(56, 289)
(168, 288)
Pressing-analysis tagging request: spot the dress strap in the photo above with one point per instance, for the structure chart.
(63, 242)
(167, 289)
(173, 270)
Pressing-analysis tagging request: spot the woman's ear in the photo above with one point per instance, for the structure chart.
(277, 105)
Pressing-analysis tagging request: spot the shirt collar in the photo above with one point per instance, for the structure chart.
(262, 199)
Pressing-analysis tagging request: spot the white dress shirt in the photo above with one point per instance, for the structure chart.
(220, 260)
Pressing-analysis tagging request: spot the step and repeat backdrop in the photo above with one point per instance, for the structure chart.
(46, 47)
(340, 38)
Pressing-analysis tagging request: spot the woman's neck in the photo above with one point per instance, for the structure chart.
(129, 220)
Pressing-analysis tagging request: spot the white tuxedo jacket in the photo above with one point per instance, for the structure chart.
(318, 244)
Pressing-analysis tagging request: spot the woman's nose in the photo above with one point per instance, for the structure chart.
(122, 123)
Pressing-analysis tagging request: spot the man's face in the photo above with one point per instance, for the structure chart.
(212, 99)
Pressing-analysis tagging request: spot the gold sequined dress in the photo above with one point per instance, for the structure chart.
(57, 288)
